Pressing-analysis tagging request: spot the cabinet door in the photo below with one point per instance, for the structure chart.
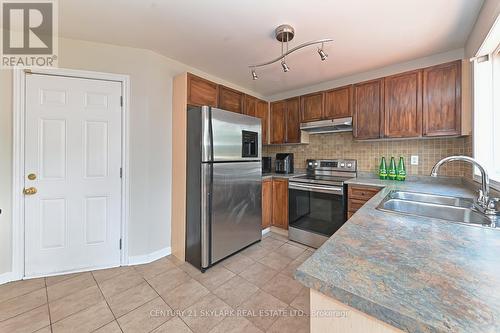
(262, 112)
(368, 105)
(200, 91)
(403, 105)
(292, 120)
(230, 99)
(442, 99)
(280, 203)
(267, 203)
(250, 106)
(278, 122)
(311, 107)
(338, 103)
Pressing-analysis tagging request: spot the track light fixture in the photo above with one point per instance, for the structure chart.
(285, 33)
(285, 66)
(322, 53)
(254, 75)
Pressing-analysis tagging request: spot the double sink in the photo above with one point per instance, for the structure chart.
(454, 209)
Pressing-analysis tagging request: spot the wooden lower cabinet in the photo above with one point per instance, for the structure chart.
(280, 203)
(357, 196)
(267, 202)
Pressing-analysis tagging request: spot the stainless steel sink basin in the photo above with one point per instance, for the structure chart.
(452, 209)
(432, 198)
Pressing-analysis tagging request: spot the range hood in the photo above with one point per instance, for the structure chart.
(328, 126)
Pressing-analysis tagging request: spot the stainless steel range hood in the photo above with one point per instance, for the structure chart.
(328, 126)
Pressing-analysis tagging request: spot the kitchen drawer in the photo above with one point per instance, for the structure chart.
(362, 192)
(354, 204)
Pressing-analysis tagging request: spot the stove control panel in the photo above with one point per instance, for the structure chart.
(332, 165)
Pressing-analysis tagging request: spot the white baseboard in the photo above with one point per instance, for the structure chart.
(147, 258)
(282, 232)
(7, 277)
(265, 231)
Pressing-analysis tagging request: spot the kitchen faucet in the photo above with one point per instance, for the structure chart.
(483, 203)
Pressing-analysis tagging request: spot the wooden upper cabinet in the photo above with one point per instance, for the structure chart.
(262, 112)
(250, 106)
(442, 99)
(278, 122)
(260, 109)
(338, 103)
(293, 120)
(403, 105)
(230, 99)
(200, 91)
(368, 106)
(311, 107)
(280, 203)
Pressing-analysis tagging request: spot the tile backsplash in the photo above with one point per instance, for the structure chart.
(368, 153)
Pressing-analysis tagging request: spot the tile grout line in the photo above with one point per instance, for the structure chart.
(48, 306)
(1, 321)
(105, 300)
(26, 293)
(86, 308)
(157, 293)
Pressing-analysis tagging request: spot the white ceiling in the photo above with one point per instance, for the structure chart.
(223, 37)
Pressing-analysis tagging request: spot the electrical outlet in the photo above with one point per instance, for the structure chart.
(414, 160)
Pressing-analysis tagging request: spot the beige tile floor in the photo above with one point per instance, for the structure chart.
(253, 291)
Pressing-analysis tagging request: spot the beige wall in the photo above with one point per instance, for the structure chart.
(150, 138)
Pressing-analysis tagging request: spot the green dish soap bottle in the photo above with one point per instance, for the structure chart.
(401, 169)
(382, 169)
(392, 170)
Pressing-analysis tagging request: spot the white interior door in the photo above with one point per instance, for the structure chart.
(73, 147)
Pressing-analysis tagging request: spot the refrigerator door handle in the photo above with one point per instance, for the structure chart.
(206, 212)
(207, 135)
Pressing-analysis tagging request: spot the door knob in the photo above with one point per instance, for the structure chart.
(30, 191)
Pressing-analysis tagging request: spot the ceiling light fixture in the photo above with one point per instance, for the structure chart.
(284, 34)
(322, 53)
(285, 66)
(254, 75)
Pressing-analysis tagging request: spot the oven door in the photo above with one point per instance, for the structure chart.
(315, 212)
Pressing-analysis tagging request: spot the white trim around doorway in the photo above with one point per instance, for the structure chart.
(18, 160)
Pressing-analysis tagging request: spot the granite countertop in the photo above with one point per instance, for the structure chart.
(415, 273)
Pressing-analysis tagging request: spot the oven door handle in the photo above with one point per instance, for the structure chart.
(316, 188)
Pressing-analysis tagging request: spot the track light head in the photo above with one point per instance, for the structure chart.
(254, 75)
(322, 54)
(285, 66)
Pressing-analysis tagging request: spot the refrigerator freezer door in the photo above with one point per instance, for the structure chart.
(236, 207)
(222, 135)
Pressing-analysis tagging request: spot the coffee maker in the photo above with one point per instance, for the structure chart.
(283, 163)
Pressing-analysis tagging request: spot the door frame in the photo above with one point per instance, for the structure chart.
(19, 116)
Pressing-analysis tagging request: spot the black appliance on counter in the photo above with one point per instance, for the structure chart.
(283, 163)
(318, 201)
(267, 166)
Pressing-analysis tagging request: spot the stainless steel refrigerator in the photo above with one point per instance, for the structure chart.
(224, 174)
